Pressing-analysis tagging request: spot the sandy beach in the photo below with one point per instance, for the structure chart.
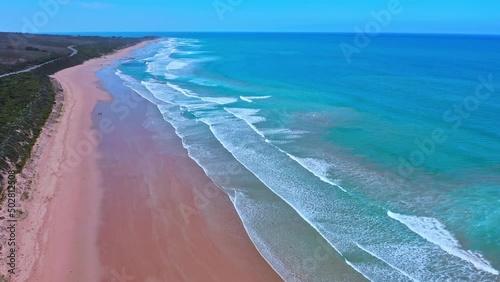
(57, 239)
(92, 217)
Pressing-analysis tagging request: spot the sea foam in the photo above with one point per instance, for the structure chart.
(388, 263)
(177, 65)
(249, 117)
(318, 167)
(435, 232)
(250, 99)
(191, 94)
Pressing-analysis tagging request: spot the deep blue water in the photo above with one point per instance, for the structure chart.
(393, 157)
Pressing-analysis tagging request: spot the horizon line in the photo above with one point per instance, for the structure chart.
(257, 32)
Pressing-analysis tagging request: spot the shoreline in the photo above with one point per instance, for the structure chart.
(178, 225)
(56, 221)
(64, 236)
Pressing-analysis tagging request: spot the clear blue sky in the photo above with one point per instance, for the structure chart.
(421, 16)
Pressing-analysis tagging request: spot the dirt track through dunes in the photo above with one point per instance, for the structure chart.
(74, 52)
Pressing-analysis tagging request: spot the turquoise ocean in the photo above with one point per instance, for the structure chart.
(392, 157)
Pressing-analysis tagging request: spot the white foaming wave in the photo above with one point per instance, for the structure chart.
(133, 84)
(164, 53)
(280, 142)
(317, 167)
(158, 92)
(164, 93)
(149, 67)
(157, 67)
(124, 77)
(188, 42)
(357, 269)
(168, 41)
(435, 232)
(215, 100)
(250, 99)
(189, 52)
(285, 133)
(176, 42)
(162, 60)
(162, 57)
(183, 91)
(204, 82)
(220, 100)
(156, 64)
(177, 65)
(248, 116)
(171, 76)
(389, 264)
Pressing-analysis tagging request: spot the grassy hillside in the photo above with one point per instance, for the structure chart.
(26, 99)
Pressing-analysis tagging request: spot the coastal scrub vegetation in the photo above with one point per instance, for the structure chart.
(26, 99)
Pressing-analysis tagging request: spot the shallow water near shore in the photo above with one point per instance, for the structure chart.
(337, 170)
